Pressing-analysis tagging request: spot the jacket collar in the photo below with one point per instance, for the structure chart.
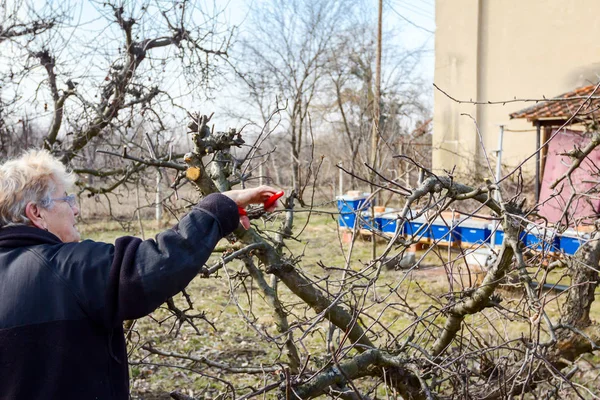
(23, 235)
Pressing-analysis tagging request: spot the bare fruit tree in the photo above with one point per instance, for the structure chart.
(107, 81)
(492, 332)
(340, 326)
(351, 76)
(316, 63)
(20, 25)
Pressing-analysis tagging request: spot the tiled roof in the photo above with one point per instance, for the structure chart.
(564, 109)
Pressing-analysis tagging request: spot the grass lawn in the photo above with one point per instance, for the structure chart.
(239, 329)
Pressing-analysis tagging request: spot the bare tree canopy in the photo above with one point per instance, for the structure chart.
(107, 95)
(101, 73)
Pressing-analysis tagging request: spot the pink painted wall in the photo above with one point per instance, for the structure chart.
(553, 202)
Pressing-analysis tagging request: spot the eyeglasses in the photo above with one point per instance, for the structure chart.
(70, 199)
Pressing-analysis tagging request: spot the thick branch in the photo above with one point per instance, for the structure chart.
(48, 63)
(583, 268)
(360, 366)
(302, 288)
(476, 302)
(145, 161)
(480, 297)
(279, 313)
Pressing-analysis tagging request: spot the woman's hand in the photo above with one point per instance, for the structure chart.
(245, 197)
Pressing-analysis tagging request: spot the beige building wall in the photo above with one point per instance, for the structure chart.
(492, 50)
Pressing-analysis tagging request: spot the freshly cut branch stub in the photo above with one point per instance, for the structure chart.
(192, 173)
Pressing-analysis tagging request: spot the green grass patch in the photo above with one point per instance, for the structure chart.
(239, 326)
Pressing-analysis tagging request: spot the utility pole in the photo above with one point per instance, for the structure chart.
(376, 117)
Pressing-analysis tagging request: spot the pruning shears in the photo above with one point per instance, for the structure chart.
(267, 204)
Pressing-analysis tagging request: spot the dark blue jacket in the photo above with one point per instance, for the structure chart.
(62, 304)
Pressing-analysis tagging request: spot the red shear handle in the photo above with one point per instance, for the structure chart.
(271, 200)
(267, 204)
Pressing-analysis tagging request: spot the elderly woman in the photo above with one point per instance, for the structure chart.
(62, 302)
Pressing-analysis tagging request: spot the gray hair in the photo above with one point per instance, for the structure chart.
(32, 177)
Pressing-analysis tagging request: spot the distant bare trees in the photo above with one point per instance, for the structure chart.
(316, 60)
(286, 57)
(351, 84)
